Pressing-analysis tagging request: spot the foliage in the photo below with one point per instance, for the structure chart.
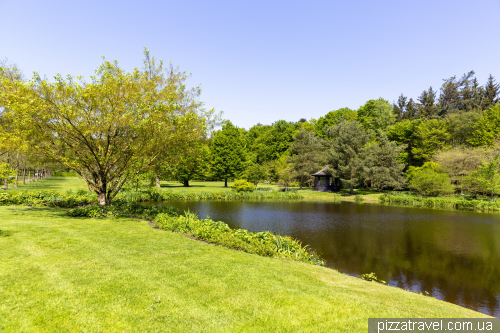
(122, 209)
(6, 172)
(110, 129)
(430, 179)
(47, 198)
(487, 129)
(227, 152)
(333, 118)
(345, 156)
(404, 133)
(263, 243)
(462, 203)
(427, 108)
(192, 163)
(241, 185)
(382, 167)
(359, 198)
(307, 155)
(488, 176)
(375, 115)
(372, 277)
(255, 173)
(430, 137)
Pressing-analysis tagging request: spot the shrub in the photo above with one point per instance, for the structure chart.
(241, 185)
(430, 182)
(359, 198)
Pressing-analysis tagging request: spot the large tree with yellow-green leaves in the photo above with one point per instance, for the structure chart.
(108, 129)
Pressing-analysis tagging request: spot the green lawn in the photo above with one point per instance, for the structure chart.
(61, 274)
(74, 184)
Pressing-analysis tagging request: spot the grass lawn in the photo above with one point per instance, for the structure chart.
(75, 183)
(60, 274)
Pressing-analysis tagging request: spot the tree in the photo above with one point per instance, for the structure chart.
(255, 173)
(411, 110)
(431, 136)
(427, 109)
(375, 116)
(399, 109)
(487, 129)
(404, 133)
(491, 92)
(227, 152)
(382, 166)
(110, 129)
(192, 163)
(430, 180)
(345, 157)
(449, 98)
(333, 118)
(488, 176)
(307, 154)
(5, 173)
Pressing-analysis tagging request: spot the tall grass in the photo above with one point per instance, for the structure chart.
(449, 202)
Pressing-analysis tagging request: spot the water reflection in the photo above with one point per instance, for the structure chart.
(452, 255)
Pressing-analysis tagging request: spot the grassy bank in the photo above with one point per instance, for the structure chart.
(82, 274)
(442, 202)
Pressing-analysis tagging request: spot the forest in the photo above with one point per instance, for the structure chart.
(129, 129)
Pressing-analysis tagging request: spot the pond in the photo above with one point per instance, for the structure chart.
(452, 255)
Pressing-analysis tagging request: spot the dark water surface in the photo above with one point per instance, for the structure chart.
(452, 255)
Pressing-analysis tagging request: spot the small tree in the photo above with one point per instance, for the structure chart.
(5, 173)
(429, 179)
(488, 176)
(255, 173)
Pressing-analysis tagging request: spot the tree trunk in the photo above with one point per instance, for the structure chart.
(352, 188)
(301, 179)
(24, 176)
(371, 184)
(186, 183)
(158, 181)
(225, 182)
(17, 178)
(103, 201)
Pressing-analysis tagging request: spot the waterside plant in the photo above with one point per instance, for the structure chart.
(447, 202)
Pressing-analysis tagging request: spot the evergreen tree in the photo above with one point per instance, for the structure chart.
(411, 110)
(427, 109)
(449, 98)
(467, 92)
(399, 109)
(227, 152)
(345, 157)
(381, 166)
(491, 92)
(308, 154)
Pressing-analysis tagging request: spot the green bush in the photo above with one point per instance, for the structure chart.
(461, 203)
(359, 198)
(122, 209)
(263, 243)
(430, 182)
(47, 198)
(241, 185)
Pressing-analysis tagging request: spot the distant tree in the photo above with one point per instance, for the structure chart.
(382, 166)
(427, 108)
(449, 98)
(411, 110)
(192, 163)
(255, 173)
(284, 171)
(5, 173)
(404, 133)
(488, 176)
(487, 129)
(467, 92)
(375, 116)
(430, 179)
(492, 92)
(307, 154)
(461, 126)
(345, 157)
(399, 108)
(333, 118)
(431, 136)
(227, 152)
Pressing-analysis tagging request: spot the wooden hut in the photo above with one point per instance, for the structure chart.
(324, 182)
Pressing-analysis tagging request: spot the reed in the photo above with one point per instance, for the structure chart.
(449, 202)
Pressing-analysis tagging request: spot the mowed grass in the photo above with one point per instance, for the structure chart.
(61, 274)
(75, 183)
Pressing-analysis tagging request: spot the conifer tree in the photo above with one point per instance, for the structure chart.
(427, 109)
(411, 110)
(227, 152)
(399, 109)
(491, 92)
(345, 157)
(308, 154)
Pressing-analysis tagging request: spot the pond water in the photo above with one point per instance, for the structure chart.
(452, 255)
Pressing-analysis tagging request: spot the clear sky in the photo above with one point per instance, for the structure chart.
(262, 61)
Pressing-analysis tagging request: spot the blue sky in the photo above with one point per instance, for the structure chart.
(262, 61)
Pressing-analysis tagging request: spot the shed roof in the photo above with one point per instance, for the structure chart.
(321, 172)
